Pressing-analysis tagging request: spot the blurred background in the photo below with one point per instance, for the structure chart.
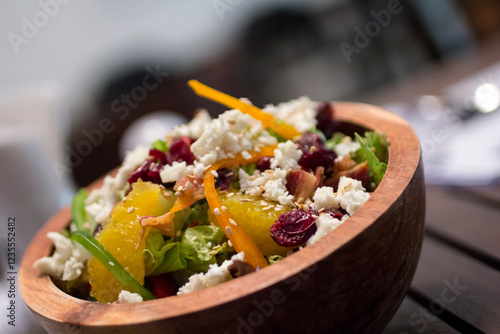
(81, 82)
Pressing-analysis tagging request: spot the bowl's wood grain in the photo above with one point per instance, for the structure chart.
(352, 280)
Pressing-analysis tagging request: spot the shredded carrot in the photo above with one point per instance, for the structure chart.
(238, 237)
(268, 121)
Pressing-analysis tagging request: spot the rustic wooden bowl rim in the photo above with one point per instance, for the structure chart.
(46, 300)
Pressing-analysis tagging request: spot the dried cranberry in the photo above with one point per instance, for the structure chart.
(314, 152)
(293, 228)
(264, 164)
(308, 140)
(224, 178)
(159, 155)
(320, 157)
(141, 172)
(180, 151)
(325, 117)
(150, 169)
(154, 172)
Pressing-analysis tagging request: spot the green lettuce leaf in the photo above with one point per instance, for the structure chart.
(376, 167)
(160, 256)
(195, 248)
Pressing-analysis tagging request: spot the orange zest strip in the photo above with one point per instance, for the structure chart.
(268, 121)
(238, 237)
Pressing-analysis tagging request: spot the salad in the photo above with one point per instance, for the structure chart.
(215, 199)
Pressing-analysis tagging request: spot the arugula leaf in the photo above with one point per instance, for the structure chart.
(110, 263)
(78, 212)
(379, 141)
(377, 168)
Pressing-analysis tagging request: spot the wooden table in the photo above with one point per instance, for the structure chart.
(457, 284)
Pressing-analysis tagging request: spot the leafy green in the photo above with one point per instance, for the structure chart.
(249, 168)
(336, 139)
(181, 219)
(110, 263)
(162, 257)
(160, 145)
(376, 167)
(78, 212)
(198, 213)
(195, 247)
(379, 142)
(193, 252)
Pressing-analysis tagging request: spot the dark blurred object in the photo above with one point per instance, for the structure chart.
(483, 16)
(134, 93)
(445, 25)
(285, 51)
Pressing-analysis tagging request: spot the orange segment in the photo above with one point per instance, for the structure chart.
(119, 236)
(238, 237)
(248, 212)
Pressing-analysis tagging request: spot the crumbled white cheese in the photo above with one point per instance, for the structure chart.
(351, 194)
(325, 224)
(346, 147)
(300, 113)
(126, 297)
(268, 185)
(195, 128)
(101, 201)
(324, 197)
(174, 172)
(214, 276)
(230, 133)
(286, 156)
(67, 261)
(276, 190)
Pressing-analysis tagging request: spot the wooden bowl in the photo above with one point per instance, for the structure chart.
(351, 280)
